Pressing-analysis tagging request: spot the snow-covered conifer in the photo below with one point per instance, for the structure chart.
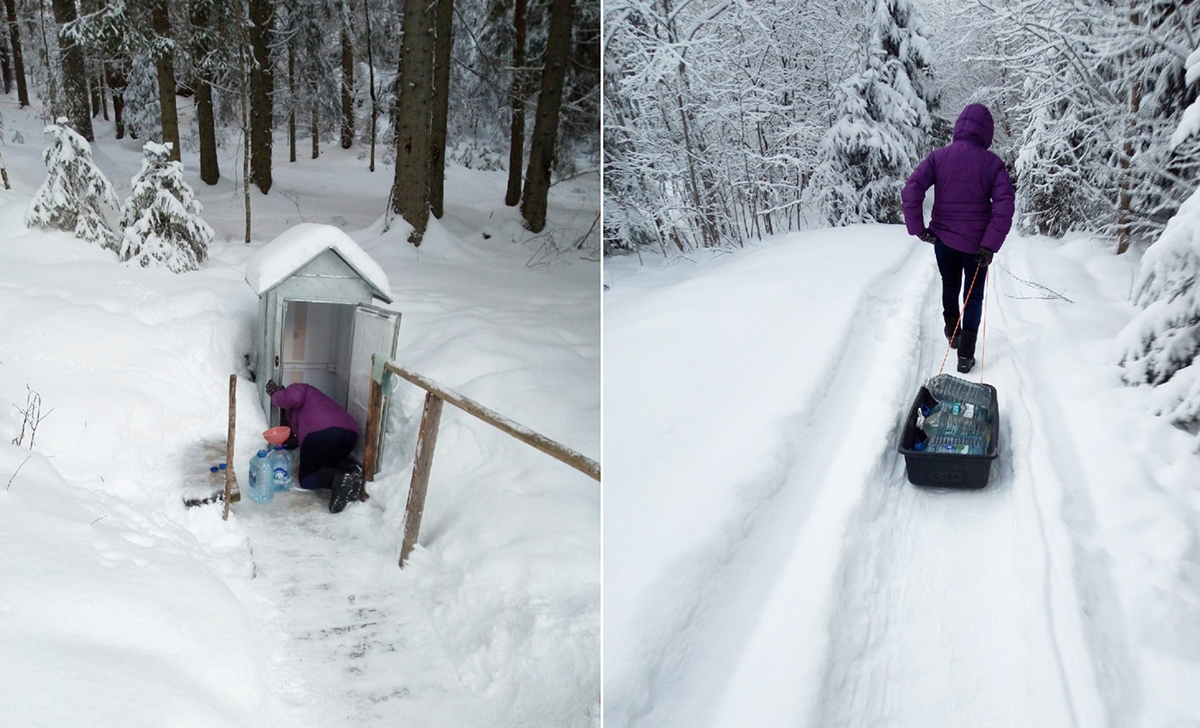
(882, 123)
(75, 192)
(161, 218)
(1160, 345)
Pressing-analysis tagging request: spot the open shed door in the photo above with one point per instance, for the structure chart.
(375, 332)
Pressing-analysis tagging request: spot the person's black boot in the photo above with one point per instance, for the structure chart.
(951, 329)
(346, 488)
(966, 350)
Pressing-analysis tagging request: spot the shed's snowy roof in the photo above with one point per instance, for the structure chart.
(294, 248)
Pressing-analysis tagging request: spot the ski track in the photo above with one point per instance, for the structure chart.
(922, 598)
(746, 584)
(340, 603)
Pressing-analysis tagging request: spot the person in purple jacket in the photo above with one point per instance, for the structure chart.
(327, 435)
(972, 212)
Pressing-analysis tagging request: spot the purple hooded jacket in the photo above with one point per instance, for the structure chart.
(309, 410)
(974, 201)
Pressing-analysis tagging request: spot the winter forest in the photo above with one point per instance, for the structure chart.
(307, 74)
(728, 122)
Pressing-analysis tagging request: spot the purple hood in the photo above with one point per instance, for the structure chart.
(973, 201)
(309, 410)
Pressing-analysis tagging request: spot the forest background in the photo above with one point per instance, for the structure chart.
(322, 72)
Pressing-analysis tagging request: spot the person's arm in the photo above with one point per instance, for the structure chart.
(1003, 207)
(913, 196)
(290, 396)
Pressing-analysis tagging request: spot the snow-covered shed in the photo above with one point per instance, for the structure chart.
(317, 322)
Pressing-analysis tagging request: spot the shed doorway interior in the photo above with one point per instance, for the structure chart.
(329, 346)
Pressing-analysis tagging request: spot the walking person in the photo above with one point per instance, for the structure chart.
(327, 435)
(972, 212)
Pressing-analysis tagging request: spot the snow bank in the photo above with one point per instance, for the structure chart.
(291, 250)
(105, 607)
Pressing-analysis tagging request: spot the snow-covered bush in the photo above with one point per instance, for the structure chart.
(75, 192)
(161, 218)
(1160, 345)
(882, 123)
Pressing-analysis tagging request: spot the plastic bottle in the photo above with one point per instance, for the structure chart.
(953, 445)
(281, 468)
(943, 420)
(261, 486)
(945, 387)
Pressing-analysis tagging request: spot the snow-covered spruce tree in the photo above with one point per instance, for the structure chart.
(75, 192)
(882, 123)
(161, 218)
(1160, 345)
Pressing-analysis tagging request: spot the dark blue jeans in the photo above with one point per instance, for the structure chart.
(323, 455)
(958, 269)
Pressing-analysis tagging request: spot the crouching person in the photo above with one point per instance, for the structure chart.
(327, 435)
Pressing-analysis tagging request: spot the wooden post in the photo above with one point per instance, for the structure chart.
(426, 441)
(374, 425)
(229, 444)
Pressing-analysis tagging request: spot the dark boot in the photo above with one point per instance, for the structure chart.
(346, 488)
(951, 329)
(966, 350)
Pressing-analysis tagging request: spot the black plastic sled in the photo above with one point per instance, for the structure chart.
(942, 470)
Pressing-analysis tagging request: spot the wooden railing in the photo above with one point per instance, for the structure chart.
(436, 394)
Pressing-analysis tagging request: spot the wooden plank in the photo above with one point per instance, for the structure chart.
(374, 425)
(562, 453)
(426, 441)
(229, 444)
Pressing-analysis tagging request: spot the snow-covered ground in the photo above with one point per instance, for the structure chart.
(119, 607)
(767, 563)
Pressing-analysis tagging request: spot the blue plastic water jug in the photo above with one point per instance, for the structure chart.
(262, 487)
(281, 468)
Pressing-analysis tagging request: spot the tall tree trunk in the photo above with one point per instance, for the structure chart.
(165, 65)
(210, 168)
(103, 84)
(6, 66)
(247, 121)
(516, 147)
(291, 50)
(74, 72)
(371, 80)
(315, 130)
(1125, 198)
(14, 36)
(441, 106)
(410, 190)
(114, 77)
(545, 125)
(262, 92)
(96, 93)
(347, 81)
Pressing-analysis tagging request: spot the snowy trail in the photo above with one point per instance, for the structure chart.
(356, 648)
(962, 607)
(776, 579)
(927, 585)
(812, 584)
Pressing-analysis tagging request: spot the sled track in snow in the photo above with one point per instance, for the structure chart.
(752, 605)
(966, 607)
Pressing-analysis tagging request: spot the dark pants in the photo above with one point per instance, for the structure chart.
(957, 269)
(324, 455)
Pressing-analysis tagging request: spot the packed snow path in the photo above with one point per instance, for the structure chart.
(357, 652)
(841, 595)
